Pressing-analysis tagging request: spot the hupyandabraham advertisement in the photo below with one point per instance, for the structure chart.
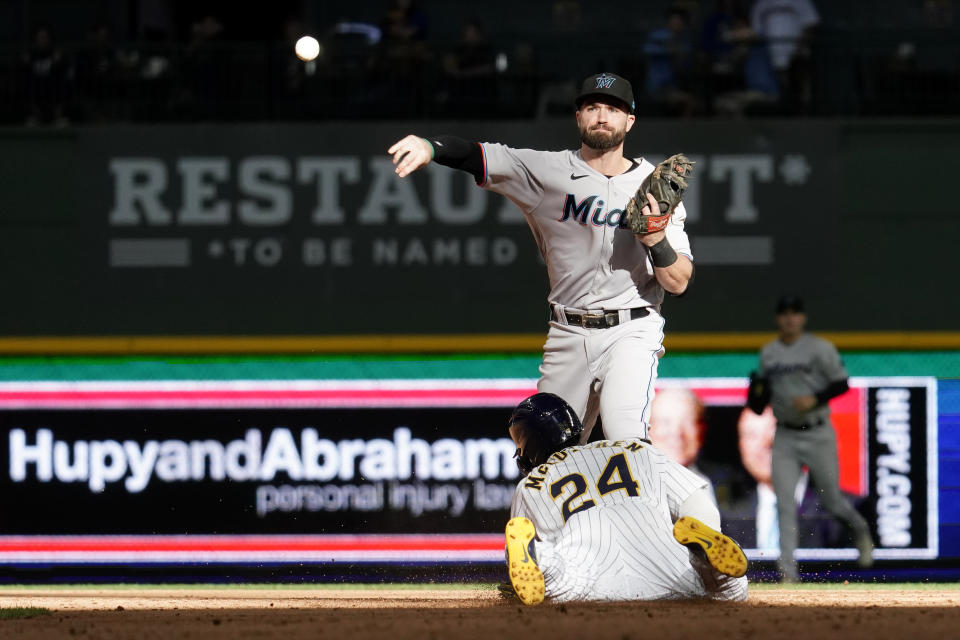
(360, 470)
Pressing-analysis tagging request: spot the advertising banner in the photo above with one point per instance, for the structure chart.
(886, 432)
(314, 471)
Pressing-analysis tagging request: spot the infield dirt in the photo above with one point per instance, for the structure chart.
(450, 614)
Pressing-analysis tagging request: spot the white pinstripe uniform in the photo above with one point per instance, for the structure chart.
(604, 515)
(594, 266)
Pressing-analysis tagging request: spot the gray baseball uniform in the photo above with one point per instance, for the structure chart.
(594, 267)
(604, 515)
(804, 367)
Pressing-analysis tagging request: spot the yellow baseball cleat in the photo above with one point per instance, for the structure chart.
(525, 575)
(722, 552)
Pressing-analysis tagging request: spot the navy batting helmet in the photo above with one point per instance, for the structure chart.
(541, 425)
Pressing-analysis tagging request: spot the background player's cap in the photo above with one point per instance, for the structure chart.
(789, 303)
(607, 84)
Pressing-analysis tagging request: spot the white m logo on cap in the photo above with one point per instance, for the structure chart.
(604, 81)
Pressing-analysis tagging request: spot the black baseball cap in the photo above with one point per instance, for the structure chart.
(790, 303)
(607, 84)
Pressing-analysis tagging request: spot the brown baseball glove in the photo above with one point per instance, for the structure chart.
(667, 184)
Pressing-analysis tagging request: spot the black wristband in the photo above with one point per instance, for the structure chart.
(457, 153)
(834, 389)
(663, 254)
(450, 148)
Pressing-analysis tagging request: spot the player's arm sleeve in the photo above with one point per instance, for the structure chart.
(517, 506)
(540, 509)
(834, 371)
(457, 153)
(514, 173)
(680, 483)
(832, 390)
(523, 504)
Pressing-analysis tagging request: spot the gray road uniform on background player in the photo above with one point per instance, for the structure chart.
(606, 284)
(609, 518)
(798, 374)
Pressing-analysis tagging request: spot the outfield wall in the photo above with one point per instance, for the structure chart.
(114, 236)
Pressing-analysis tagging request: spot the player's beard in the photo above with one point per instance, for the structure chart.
(602, 139)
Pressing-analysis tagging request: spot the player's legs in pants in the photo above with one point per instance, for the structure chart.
(785, 474)
(626, 370)
(820, 455)
(564, 370)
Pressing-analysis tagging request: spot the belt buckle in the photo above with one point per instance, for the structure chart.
(591, 320)
(599, 320)
(594, 320)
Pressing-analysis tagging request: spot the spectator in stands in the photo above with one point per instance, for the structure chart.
(677, 427)
(559, 81)
(518, 90)
(938, 13)
(759, 90)
(474, 55)
(724, 44)
(401, 61)
(670, 64)
(723, 41)
(46, 78)
(786, 26)
(100, 71)
(351, 44)
(205, 65)
(154, 20)
(566, 15)
(469, 87)
(404, 35)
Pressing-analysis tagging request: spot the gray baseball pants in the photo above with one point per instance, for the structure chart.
(817, 448)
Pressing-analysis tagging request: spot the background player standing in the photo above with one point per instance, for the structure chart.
(606, 284)
(799, 374)
(608, 520)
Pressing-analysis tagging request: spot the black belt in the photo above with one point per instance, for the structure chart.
(803, 426)
(602, 319)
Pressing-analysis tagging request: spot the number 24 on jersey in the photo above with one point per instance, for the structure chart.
(616, 476)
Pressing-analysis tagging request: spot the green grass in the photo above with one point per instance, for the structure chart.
(22, 612)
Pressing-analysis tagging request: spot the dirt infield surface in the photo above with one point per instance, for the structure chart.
(848, 612)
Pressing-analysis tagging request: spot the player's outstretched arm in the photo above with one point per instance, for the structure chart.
(410, 154)
(414, 152)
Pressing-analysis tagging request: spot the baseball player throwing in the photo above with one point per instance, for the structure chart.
(610, 520)
(799, 373)
(606, 283)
